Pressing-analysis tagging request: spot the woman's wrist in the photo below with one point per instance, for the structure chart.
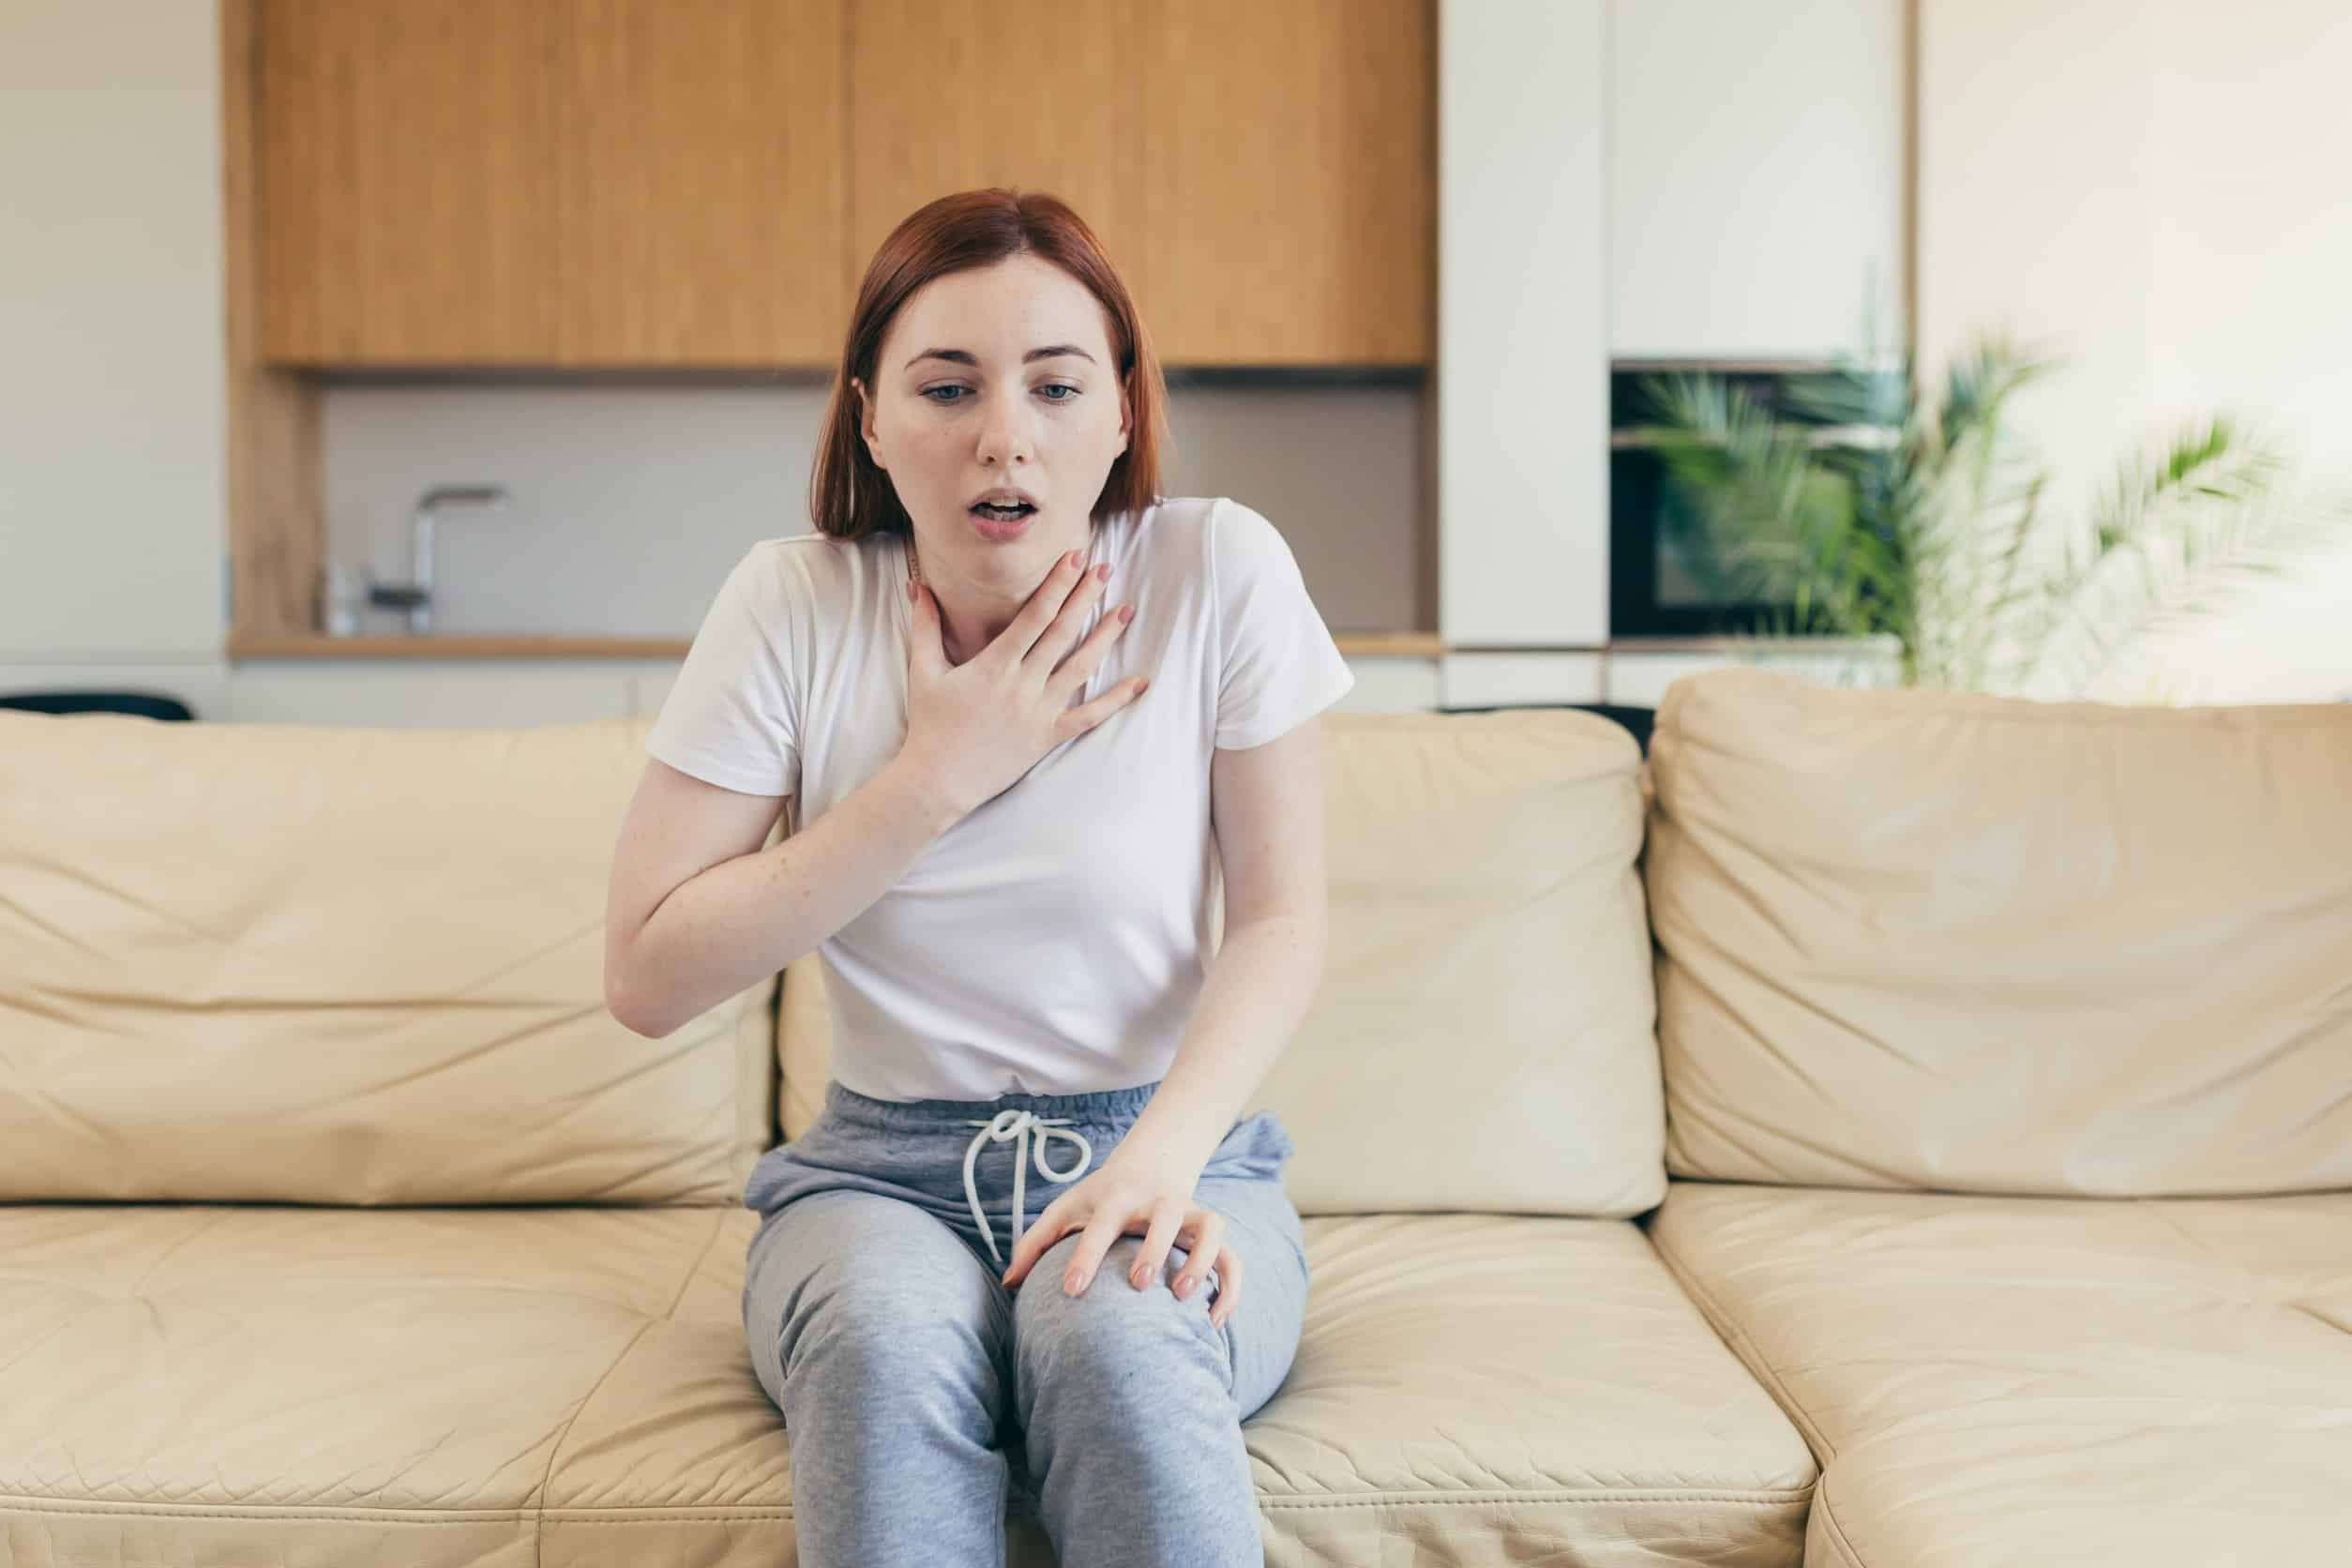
(927, 795)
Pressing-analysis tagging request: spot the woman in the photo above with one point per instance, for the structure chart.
(1014, 916)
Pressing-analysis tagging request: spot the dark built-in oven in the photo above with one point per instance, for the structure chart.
(1669, 574)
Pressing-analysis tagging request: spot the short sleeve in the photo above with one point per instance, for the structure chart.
(730, 717)
(1278, 665)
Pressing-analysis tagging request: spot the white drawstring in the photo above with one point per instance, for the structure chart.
(1017, 1124)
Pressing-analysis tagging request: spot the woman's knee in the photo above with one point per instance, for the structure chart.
(1111, 1332)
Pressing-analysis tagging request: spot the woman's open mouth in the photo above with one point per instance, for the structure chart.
(1002, 522)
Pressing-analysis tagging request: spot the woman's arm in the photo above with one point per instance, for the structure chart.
(1266, 807)
(679, 939)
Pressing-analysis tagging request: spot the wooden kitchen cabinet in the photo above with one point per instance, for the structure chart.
(406, 197)
(700, 183)
(1289, 181)
(705, 176)
(1262, 171)
(1039, 95)
(551, 182)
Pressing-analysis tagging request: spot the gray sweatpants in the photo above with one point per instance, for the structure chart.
(921, 1394)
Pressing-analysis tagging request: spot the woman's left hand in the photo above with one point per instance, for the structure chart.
(1138, 1195)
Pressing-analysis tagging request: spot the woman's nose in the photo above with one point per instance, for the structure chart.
(1005, 431)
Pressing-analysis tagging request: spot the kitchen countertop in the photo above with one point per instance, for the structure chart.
(315, 645)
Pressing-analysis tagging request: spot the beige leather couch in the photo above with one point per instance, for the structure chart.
(1921, 1134)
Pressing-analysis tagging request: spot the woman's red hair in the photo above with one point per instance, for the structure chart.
(849, 496)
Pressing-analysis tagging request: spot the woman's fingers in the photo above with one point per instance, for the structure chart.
(1228, 1286)
(1201, 1230)
(1167, 1220)
(1206, 1247)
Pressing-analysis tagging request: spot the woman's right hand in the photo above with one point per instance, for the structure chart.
(975, 728)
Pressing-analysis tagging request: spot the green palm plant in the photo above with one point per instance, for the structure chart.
(1933, 535)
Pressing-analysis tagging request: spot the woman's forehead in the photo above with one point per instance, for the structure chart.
(1000, 314)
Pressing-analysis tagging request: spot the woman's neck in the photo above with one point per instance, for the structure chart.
(974, 611)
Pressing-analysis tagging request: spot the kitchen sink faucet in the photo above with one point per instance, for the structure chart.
(416, 597)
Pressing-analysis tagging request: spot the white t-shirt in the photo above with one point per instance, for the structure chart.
(1054, 939)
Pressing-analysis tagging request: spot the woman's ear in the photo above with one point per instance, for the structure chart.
(865, 421)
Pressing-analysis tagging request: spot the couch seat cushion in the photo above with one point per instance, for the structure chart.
(311, 1386)
(1478, 1388)
(2001, 1379)
(544, 1386)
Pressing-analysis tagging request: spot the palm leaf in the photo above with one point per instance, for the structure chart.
(2165, 540)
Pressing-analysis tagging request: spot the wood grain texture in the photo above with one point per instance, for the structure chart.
(954, 95)
(276, 484)
(703, 182)
(409, 181)
(704, 190)
(1289, 181)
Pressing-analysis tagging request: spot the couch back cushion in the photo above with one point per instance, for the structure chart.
(1943, 941)
(1483, 1037)
(355, 966)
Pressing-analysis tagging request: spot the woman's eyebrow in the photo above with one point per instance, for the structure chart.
(964, 357)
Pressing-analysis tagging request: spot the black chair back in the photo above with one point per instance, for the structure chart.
(145, 704)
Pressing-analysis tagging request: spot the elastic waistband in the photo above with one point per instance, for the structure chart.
(1099, 1107)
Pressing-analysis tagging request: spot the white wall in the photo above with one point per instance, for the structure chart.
(113, 499)
(2155, 190)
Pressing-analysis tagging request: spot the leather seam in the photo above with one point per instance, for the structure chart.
(1759, 1365)
(538, 1544)
(1839, 1540)
(555, 1450)
(1512, 1500)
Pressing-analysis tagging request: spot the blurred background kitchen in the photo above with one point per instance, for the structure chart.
(430, 361)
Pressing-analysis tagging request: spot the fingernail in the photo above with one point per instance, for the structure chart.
(1127, 613)
(1184, 1286)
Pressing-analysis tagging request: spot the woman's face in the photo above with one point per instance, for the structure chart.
(992, 378)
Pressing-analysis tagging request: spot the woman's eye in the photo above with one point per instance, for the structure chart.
(1049, 386)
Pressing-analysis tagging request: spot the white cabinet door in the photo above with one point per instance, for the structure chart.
(1756, 176)
(1522, 370)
